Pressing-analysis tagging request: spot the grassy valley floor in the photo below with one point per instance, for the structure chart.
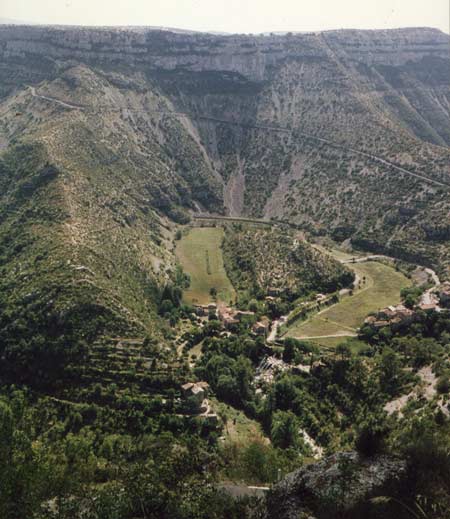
(380, 287)
(199, 253)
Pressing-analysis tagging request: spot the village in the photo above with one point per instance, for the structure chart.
(231, 317)
(194, 394)
(293, 336)
(397, 316)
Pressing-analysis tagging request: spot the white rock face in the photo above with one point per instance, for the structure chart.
(250, 56)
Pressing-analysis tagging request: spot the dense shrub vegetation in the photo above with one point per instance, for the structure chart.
(259, 260)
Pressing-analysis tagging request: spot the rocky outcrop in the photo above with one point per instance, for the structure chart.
(342, 483)
(390, 47)
(252, 56)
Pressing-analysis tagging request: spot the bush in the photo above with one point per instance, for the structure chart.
(370, 438)
(284, 430)
(443, 384)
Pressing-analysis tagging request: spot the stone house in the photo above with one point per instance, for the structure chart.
(201, 310)
(195, 392)
(428, 307)
(206, 310)
(231, 317)
(395, 316)
(240, 314)
(376, 322)
(261, 327)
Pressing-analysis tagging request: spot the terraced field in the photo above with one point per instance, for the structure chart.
(380, 287)
(199, 253)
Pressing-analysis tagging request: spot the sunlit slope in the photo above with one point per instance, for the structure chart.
(87, 209)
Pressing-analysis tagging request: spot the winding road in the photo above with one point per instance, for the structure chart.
(267, 127)
(54, 100)
(427, 296)
(372, 257)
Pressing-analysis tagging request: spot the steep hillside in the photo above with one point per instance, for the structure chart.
(88, 202)
(347, 106)
(125, 132)
(261, 260)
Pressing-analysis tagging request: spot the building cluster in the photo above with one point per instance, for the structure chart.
(430, 301)
(206, 310)
(398, 316)
(395, 316)
(194, 395)
(230, 317)
(268, 369)
(261, 327)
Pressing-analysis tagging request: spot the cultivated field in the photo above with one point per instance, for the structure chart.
(336, 253)
(200, 255)
(381, 288)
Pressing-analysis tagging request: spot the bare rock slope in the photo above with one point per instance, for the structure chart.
(342, 485)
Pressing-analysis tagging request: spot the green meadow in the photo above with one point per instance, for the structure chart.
(199, 253)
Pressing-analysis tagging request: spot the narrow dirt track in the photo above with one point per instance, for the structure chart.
(265, 127)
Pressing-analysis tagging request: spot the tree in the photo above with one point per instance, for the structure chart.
(411, 295)
(390, 371)
(224, 418)
(165, 307)
(6, 459)
(344, 351)
(285, 393)
(253, 305)
(284, 430)
(227, 389)
(443, 384)
(260, 462)
(289, 351)
(409, 301)
(371, 435)
(244, 377)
